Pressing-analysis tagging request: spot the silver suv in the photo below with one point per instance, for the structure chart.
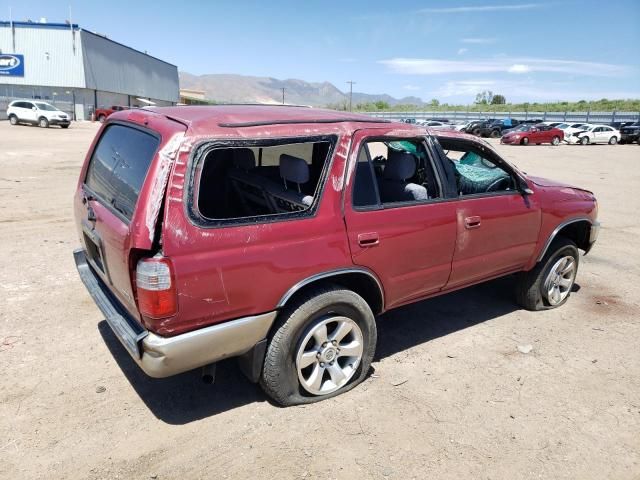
(36, 113)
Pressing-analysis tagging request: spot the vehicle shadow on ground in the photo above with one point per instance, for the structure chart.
(185, 398)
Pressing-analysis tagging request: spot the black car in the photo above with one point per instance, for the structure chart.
(630, 133)
(474, 127)
(497, 127)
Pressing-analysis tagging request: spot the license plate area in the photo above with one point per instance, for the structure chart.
(95, 252)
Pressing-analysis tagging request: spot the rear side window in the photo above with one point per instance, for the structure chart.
(119, 165)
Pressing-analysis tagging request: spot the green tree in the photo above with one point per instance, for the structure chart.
(498, 100)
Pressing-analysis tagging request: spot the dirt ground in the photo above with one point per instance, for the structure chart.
(452, 396)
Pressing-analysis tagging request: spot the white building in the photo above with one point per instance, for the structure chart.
(78, 70)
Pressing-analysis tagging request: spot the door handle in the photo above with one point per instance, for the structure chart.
(472, 222)
(368, 239)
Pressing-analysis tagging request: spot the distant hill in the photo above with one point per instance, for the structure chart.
(229, 88)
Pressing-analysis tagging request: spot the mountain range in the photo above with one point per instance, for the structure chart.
(230, 88)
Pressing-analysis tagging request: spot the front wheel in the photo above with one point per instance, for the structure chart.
(322, 346)
(584, 141)
(495, 133)
(43, 123)
(555, 141)
(613, 140)
(524, 141)
(549, 283)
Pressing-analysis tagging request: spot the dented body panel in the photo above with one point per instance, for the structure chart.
(242, 271)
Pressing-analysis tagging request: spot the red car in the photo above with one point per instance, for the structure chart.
(102, 113)
(277, 234)
(526, 134)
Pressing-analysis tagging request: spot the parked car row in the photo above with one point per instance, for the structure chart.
(535, 131)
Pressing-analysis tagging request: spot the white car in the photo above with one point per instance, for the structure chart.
(570, 128)
(36, 112)
(596, 134)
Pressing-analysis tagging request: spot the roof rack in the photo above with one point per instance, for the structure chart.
(295, 122)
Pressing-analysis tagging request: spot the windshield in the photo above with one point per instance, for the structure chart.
(523, 128)
(46, 106)
(577, 125)
(562, 126)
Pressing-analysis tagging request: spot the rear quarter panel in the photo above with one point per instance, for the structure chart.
(232, 271)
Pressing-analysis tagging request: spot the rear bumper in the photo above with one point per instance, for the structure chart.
(165, 356)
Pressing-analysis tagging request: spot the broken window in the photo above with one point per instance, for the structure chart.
(253, 181)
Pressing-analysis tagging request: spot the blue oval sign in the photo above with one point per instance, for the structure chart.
(12, 65)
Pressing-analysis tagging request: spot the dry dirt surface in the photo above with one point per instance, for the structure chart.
(451, 396)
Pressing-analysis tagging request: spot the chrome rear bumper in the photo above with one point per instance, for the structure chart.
(161, 356)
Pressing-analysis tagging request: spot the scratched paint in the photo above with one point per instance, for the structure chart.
(167, 154)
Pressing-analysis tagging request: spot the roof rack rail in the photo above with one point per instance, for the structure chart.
(294, 122)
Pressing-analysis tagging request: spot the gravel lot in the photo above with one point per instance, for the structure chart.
(452, 396)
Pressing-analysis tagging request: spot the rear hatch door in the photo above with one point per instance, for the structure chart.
(120, 195)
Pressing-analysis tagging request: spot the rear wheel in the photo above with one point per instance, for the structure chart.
(101, 118)
(555, 141)
(584, 141)
(613, 140)
(524, 141)
(495, 133)
(476, 132)
(549, 283)
(13, 120)
(322, 346)
(43, 122)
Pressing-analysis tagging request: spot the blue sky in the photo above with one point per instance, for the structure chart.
(528, 51)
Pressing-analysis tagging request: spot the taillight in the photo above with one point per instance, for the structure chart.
(155, 287)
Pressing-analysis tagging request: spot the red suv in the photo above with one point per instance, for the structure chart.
(277, 234)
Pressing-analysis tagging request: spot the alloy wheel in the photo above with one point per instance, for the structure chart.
(559, 281)
(329, 355)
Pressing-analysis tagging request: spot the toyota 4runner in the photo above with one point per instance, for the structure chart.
(278, 234)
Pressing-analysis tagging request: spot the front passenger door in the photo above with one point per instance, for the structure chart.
(497, 226)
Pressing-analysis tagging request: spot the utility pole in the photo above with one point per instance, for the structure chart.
(350, 82)
(282, 95)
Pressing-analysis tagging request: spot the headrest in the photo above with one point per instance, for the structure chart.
(244, 158)
(400, 165)
(294, 169)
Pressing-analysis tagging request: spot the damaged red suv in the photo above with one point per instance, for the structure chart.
(278, 234)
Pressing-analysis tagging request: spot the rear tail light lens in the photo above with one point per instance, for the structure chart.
(156, 288)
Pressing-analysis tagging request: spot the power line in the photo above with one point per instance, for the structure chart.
(282, 95)
(350, 82)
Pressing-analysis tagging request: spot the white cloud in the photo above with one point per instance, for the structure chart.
(482, 8)
(411, 87)
(462, 50)
(432, 66)
(525, 90)
(478, 41)
(519, 68)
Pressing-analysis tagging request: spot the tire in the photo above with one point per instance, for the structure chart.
(495, 133)
(13, 120)
(584, 141)
(613, 140)
(294, 338)
(64, 126)
(555, 141)
(101, 118)
(43, 122)
(476, 132)
(533, 287)
(524, 141)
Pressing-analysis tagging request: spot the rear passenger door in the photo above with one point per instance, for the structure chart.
(27, 112)
(401, 229)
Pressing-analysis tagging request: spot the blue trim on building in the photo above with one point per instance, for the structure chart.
(5, 23)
